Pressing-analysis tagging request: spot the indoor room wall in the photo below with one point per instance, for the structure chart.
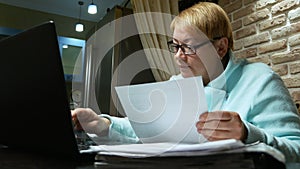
(268, 31)
(21, 18)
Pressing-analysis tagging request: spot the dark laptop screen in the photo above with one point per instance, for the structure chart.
(35, 111)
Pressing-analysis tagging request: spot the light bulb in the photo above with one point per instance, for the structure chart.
(92, 9)
(79, 27)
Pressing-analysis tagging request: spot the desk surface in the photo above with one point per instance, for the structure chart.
(14, 159)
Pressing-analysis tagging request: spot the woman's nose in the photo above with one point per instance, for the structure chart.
(180, 55)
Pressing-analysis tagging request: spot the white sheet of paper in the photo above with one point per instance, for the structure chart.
(166, 148)
(165, 111)
(229, 146)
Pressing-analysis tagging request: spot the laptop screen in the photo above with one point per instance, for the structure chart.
(35, 111)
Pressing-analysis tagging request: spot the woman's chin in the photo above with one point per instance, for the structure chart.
(186, 74)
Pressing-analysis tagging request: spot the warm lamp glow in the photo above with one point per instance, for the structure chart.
(79, 27)
(92, 9)
(65, 46)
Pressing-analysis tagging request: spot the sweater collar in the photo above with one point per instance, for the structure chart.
(220, 82)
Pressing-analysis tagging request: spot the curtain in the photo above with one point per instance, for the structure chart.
(153, 18)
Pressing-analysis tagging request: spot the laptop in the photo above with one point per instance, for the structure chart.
(35, 113)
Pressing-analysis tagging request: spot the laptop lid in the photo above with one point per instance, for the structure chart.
(35, 112)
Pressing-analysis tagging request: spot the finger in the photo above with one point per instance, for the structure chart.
(78, 127)
(73, 113)
(214, 125)
(76, 112)
(76, 124)
(219, 135)
(222, 130)
(233, 124)
(213, 135)
(217, 115)
(82, 114)
(75, 121)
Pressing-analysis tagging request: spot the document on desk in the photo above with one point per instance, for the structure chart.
(167, 148)
(216, 154)
(165, 111)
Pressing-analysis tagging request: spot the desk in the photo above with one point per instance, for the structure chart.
(15, 159)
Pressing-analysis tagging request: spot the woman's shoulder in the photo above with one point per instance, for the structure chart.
(259, 73)
(256, 68)
(252, 72)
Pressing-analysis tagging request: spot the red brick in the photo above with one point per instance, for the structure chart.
(223, 3)
(295, 68)
(286, 56)
(247, 53)
(246, 2)
(263, 3)
(236, 24)
(269, 47)
(233, 6)
(256, 39)
(292, 82)
(256, 16)
(238, 44)
(294, 14)
(276, 21)
(283, 6)
(243, 12)
(262, 58)
(294, 40)
(246, 31)
(281, 69)
(296, 95)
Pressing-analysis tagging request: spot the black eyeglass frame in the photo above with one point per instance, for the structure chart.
(173, 47)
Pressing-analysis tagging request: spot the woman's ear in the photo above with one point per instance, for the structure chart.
(222, 47)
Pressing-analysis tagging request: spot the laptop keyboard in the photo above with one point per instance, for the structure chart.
(83, 140)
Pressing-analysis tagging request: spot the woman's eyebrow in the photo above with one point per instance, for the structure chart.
(185, 41)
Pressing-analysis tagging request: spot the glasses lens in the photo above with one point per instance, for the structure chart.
(188, 50)
(173, 47)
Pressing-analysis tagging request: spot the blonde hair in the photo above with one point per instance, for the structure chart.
(209, 17)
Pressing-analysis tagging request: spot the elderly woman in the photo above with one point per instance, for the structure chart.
(246, 101)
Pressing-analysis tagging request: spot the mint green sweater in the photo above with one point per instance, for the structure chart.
(260, 97)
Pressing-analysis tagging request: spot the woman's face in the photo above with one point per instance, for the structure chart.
(199, 63)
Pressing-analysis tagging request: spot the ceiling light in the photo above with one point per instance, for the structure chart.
(65, 46)
(79, 27)
(92, 8)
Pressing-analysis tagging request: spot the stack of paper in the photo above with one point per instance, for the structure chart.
(165, 148)
(217, 154)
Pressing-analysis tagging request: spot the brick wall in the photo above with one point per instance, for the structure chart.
(268, 31)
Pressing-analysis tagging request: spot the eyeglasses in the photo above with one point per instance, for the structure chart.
(186, 49)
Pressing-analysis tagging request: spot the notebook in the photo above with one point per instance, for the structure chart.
(35, 113)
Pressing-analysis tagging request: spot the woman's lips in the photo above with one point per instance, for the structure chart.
(183, 66)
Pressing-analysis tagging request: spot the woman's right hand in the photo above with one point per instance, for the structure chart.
(86, 119)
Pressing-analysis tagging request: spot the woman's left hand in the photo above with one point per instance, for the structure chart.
(220, 125)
